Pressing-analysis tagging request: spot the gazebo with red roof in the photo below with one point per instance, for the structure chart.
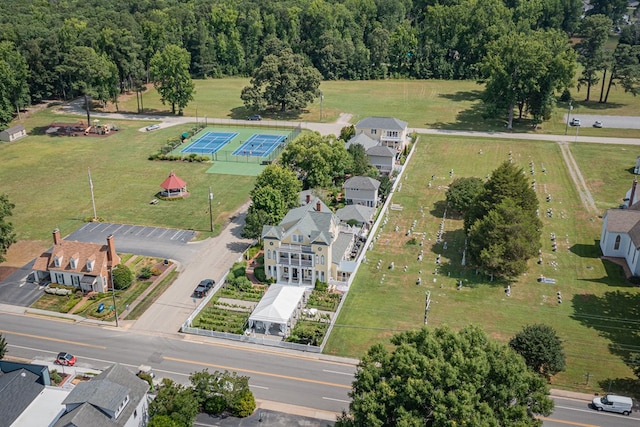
(174, 186)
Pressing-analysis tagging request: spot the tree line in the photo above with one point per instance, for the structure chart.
(66, 48)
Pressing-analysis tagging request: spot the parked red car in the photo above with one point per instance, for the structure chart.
(66, 359)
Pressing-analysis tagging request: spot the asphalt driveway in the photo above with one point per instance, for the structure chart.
(169, 243)
(618, 122)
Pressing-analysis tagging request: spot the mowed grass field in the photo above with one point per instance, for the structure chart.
(46, 178)
(598, 317)
(422, 103)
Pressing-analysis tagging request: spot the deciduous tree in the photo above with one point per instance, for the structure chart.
(283, 81)
(170, 74)
(319, 160)
(7, 235)
(591, 49)
(176, 402)
(444, 378)
(541, 348)
(267, 208)
(14, 92)
(223, 392)
(283, 180)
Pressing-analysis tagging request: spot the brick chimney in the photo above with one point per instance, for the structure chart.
(318, 206)
(56, 237)
(111, 251)
(308, 198)
(633, 192)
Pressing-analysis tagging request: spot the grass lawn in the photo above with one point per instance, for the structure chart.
(422, 103)
(46, 178)
(598, 314)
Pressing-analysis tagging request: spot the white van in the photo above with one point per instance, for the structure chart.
(613, 403)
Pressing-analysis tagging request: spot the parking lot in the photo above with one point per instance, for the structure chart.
(617, 122)
(158, 242)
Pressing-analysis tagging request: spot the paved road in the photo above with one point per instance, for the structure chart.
(569, 412)
(314, 387)
(320, 383)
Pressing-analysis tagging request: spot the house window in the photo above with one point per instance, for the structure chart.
(322, 260)
(57, 261)
(616, 246)
(317, 259)
(60, 278)
(75, 280)
(73, 263)
(374, 131)
(268, 253)
(392, 133)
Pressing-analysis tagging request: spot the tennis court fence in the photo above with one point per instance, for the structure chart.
(226, 154)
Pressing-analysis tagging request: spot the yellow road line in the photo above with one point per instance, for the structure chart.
(250, 371)
(267, 351)
(53, 339)
(573, 423)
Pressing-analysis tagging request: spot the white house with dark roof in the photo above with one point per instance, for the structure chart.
(387, 131)
(13, 133)
(83, 265)
(116, 397)
(383, 157)
(620, 237)
(309, 244)
(361, 190)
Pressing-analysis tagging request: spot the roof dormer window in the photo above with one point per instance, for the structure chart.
(57, 260)
(91, 264)
(73, 262)
(122, 405)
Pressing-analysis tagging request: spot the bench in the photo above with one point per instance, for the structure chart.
(153, 202)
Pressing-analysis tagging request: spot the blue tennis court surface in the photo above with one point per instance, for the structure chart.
(209, 142)
(259, 145)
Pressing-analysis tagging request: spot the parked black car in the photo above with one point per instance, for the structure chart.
(203, 288)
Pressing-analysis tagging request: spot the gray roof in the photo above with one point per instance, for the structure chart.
(316, 225)
(105, 392)
(340, 246)
(18, 389)
(381, 151)
(360, 213)
(14, 129)
(386, 123)
(362, 183)
(363, 139)
(102, 394)
(85, 415)
(624, 221)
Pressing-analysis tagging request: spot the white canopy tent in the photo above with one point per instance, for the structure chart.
(276, 309)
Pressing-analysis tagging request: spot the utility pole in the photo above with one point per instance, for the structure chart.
(113, 290)
(566, 128)
(93, 200)
(210, 209)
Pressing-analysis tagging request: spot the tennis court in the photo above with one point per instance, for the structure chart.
(209, 142)
(259, 145)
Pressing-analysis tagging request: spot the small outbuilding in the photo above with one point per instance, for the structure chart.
(174, 186)
(276, 313)
(13, 133)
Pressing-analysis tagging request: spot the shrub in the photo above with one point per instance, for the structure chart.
(155, 271)
(321, 286)
(260, 274)
(239, 269)
(412, 241)
(122, 277)
(243, 403)
(55, 376)
(145, 273)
